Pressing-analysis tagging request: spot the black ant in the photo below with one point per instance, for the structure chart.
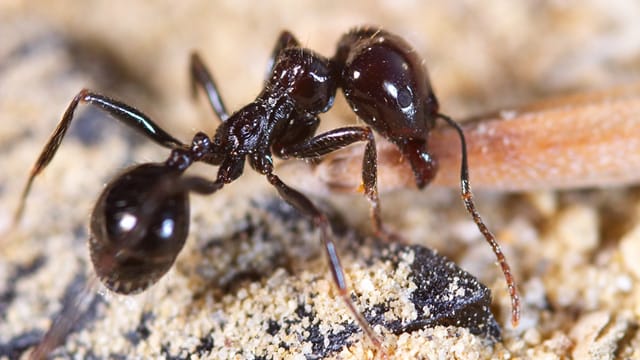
(141, 220)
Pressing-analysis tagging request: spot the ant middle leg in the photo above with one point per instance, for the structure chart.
(201, 76)
(122, 112)
(305, 206)
(339, 138)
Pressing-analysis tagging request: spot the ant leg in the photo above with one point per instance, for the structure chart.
(120, 111)
(305, 206)
(302, 127)
(285, 40)
(467, 198)
(76, 307)
(73, 309)
(200, 75)
(336, 139)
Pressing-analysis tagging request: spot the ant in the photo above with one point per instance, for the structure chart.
(141, 220)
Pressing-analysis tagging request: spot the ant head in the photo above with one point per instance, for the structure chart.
(308, 78)
(138, 227)
(387, 85)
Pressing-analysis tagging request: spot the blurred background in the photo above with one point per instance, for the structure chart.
(481, 56)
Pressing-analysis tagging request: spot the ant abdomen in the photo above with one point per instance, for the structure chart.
(138, 228)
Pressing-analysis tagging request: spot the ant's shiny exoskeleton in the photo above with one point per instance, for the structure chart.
(141, 220)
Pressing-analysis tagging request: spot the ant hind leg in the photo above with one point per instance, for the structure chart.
(120, 111)
(305, 206)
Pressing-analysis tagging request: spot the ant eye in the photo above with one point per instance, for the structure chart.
(131, 250)
(405, 99)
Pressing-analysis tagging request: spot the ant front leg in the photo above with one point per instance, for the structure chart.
(120, 111)
(302, 128)
(337, 139)
(201, 76)
(305, 206)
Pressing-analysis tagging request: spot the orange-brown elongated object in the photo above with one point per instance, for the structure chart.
(575, 141)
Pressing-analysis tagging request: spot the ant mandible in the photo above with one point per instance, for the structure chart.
(141, 220)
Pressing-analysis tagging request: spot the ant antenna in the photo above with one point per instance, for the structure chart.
(467, 198)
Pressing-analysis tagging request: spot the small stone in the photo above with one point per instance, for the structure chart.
(451, 295)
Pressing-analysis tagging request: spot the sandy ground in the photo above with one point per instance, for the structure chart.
(251, 282)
